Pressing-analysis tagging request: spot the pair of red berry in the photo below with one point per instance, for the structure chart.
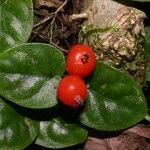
(80, 63)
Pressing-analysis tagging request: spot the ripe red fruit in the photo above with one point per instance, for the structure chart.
(80, 60)
(71, 91)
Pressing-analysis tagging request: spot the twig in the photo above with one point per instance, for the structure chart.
(52, 14)
(59, 8)
(53, 20)
(51, 29)
(61, 49)
(79, 16)
(44, 20)
(36, 33)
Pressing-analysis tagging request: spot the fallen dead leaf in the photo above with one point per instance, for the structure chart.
(136, 138)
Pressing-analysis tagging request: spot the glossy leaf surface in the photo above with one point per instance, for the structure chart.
(29, 75)
(58, 133)
(16, 19)
(114, 101)
(16, 131)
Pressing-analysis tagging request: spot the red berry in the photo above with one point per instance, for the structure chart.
(71, 91)
(80, 60)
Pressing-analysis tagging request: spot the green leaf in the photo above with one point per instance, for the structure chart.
(59, 133)
(16, 19)
(16, 131)
(29, 75)
(147, 53)
(114, 100)
(147, 117)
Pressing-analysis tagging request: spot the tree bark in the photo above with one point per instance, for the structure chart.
(115, 30)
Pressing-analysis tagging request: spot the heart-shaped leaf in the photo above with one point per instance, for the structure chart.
(29, 75)
(59, 133)
(16, 19)
(114, 101)
(16, 131)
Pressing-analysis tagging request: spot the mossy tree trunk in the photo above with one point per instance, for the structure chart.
(115, 30)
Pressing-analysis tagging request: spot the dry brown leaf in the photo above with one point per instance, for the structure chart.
(141, 130)
(136, 138)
